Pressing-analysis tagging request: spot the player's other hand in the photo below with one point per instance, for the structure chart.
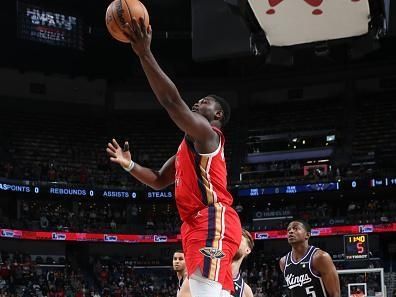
(119, 155)
(139, 36)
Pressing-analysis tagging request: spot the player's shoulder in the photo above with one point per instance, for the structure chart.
(247, 291)
(321, 254)
(283, 259)
(282, 262)
(321, 258)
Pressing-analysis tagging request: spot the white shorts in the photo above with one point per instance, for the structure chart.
(202, 287)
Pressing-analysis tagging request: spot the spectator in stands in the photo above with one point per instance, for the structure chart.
(44, 222)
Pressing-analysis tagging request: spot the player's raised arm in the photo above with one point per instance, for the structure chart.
(195, 125)
(154, 179)
(323, 264)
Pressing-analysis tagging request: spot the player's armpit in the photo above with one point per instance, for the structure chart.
(247, 291)
(323, 264)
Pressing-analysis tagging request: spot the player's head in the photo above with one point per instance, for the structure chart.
(214, 108)
(246, 246)
(179, 265)
(298, 231)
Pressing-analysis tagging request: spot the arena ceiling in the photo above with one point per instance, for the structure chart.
(171, 21)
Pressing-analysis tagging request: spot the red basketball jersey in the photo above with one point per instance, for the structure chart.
(201, 179)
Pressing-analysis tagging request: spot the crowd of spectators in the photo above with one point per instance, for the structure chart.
(27, 275)
(162, 218)
(40, 147)
(263, 275)
(88, 216)
(53, 172)
(20, 275)
(318, 213)
(118, 277)
(293, 172)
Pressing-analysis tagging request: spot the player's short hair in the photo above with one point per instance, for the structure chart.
(249, 238)
(225, 107)
(305, 224)
(179, 251)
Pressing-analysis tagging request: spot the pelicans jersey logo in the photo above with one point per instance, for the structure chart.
(212, 253)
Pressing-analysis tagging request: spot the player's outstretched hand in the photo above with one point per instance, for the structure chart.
(119, 155)
(139, 36)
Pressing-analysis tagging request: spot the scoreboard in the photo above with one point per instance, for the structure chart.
(356, 247)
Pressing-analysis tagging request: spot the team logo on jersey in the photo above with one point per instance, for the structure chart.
(297, 281)
(212, 253)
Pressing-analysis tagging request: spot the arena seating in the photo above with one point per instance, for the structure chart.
(295, 116)
(375, 131)
(68, 216)
(23, 275)
(42, 147)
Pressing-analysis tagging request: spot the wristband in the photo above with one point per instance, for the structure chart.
(130, 166)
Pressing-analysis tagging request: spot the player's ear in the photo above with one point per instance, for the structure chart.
(219, 114)
(308, 235)
(248, 251)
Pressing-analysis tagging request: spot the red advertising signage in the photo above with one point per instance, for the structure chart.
(134, 238)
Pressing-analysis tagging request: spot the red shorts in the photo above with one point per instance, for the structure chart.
(210, 240)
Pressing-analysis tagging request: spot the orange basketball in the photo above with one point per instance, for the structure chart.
(120, 12)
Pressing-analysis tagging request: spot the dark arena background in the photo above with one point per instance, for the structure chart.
(312, 136)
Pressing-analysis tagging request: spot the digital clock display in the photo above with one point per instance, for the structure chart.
(356, 247)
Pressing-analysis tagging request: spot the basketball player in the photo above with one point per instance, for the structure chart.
(308, 271)
(179, 265)
(211, 230)
(357, 293)
(241, 289)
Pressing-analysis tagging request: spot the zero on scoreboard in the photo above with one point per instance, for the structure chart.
(356, 247)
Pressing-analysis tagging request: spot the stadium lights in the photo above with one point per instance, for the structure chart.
(321, 25)
(330, 138)
(287, 23)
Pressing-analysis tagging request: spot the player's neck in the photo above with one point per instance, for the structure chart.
(236, 265)
(216, 123)
(299, 251)
(181, 274)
